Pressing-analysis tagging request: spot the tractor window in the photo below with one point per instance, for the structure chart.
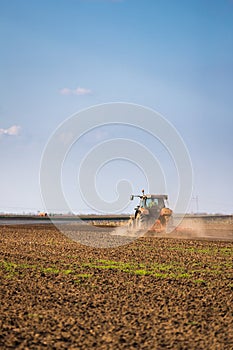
(155, 202)
(161, 203)
(152, 202)
(142, 203)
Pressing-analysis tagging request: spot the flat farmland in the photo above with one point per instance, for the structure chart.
(153, 293)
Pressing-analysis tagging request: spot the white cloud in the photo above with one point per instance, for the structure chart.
(66, 91)
(79, 91)
(82, 91)
(14, 130)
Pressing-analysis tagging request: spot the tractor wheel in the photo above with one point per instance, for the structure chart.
(141, 221)
(163, 221)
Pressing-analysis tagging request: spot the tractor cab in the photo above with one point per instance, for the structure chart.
(151, 201)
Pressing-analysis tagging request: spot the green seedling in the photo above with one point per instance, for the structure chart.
(193, 323)
(226, 251)
(184, 275)
(141, 272)
(67, 272)
(162, 275)
(50, 270)
(199, 281)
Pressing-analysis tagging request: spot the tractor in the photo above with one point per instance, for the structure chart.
(151, 214)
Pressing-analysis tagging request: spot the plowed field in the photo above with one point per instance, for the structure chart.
(154, 293)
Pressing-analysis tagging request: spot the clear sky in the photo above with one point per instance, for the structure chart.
(60, 56)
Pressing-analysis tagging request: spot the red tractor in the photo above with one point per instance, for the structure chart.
(151, 214)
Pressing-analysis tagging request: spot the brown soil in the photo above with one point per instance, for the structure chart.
(155, 293)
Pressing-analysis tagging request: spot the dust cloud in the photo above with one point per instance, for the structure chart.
(213, 228)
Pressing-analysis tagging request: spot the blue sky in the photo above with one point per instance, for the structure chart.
(60, 56)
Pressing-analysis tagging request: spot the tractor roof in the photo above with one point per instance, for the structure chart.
(163, 196)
